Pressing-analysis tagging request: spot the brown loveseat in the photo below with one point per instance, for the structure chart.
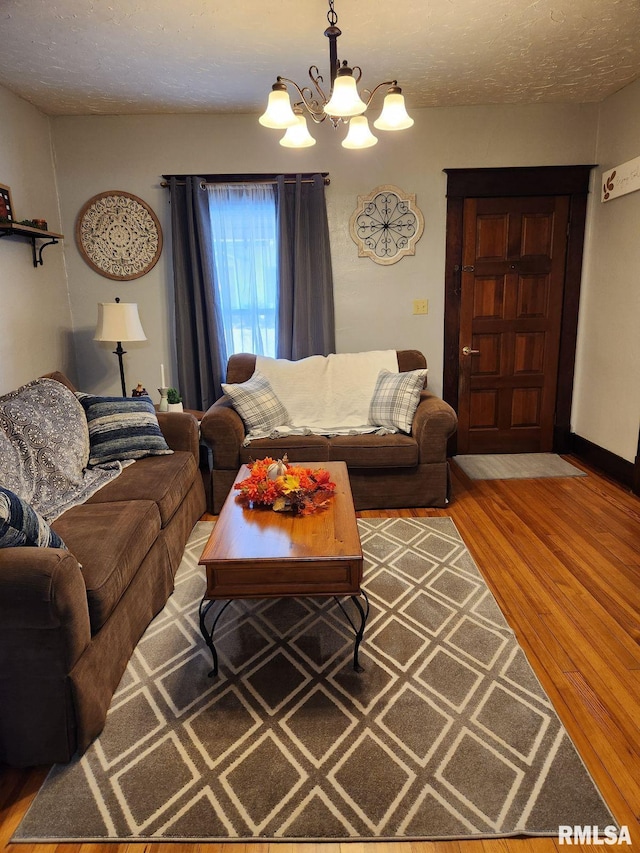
(385, 471)
(70, 620)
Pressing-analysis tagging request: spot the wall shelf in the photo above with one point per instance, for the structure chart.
(33, 235)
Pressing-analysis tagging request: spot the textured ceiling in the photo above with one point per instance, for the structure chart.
(78, 57)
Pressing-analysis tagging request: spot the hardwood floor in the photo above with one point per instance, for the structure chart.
(562, 557)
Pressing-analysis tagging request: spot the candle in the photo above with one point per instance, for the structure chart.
(162, 384)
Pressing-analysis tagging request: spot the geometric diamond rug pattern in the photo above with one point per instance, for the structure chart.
(447, 734)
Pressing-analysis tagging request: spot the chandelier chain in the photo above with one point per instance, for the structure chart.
(332, 15)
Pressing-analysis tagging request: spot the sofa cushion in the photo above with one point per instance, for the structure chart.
(162, 479)
(122, 428)
(110, 541)
(21, 525)
(374, 451)
(395, 399)
(299, 448)
(257, 404)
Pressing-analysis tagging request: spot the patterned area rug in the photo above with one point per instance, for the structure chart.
(446, 734)
(516, 466)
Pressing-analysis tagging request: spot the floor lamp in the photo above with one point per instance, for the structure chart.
(119, 321)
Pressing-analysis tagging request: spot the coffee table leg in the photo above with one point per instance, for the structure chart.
(205, 606)
(359, 631)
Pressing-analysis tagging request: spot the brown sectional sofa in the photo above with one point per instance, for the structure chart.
(70, 620)
(385, 471)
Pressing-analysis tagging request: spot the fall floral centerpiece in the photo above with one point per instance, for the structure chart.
(285, 487)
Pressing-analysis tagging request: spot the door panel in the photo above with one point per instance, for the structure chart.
(513, 254)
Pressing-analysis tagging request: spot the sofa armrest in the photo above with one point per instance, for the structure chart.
(223, 430)
(44, 616)
(433, 423)
(181, 432)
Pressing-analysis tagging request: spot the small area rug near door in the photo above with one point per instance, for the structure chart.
(516, 466)
(446, 734)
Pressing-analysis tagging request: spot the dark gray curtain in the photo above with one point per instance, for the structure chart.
(202, 356)
(306, 323)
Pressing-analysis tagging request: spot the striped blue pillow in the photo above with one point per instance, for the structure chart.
(122, 428)
(21, 525)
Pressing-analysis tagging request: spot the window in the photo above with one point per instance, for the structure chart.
(245, 253)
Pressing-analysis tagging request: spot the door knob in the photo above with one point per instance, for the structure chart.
(469, 351)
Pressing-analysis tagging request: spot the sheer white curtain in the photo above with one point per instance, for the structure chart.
(245, 255)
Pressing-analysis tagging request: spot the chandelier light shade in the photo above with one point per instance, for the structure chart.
(394, 115)
(278, 114)
(119, 321)
(345, 100)
(342, 105)
(359, 135)
(298, 135)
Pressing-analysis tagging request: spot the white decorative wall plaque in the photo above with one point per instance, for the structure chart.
(118, 235)
(621, 180)
(386, 225)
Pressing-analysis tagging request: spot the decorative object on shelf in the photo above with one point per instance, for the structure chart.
(343, 105)
(386, 224)
(174, 400)
(139, 391)
(164, 402)
(40, 224)
(119, 321)
(6, 205)
(286, 487)
(118, 235)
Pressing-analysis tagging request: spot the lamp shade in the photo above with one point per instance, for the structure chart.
(394, 115)
(278, 114)
(298, 136)
(119, 321)
(345, 100)
(359, 135)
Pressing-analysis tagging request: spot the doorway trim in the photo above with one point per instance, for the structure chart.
(518, 181)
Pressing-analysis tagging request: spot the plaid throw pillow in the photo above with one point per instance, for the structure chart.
(122, 428)
(395, 399)
(256, 403)
(21, 525)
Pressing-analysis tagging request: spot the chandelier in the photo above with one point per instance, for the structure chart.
(343, 105)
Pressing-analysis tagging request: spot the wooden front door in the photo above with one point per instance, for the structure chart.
(512, 281)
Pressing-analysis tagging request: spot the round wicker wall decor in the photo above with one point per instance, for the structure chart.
(118, 235)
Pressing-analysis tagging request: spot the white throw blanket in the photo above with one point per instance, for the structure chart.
(327, 395)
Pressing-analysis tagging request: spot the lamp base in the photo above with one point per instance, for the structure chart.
(120, 352)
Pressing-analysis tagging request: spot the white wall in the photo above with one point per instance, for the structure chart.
(373, 302)
(35, 318)
(606, 407)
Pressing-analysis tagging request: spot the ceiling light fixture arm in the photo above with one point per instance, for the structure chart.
(392, 86)
(311, 103)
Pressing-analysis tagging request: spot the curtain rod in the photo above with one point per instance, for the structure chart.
(307, 178)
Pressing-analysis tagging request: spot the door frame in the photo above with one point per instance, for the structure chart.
(572, 181)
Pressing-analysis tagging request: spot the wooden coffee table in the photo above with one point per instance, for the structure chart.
(259, 553)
